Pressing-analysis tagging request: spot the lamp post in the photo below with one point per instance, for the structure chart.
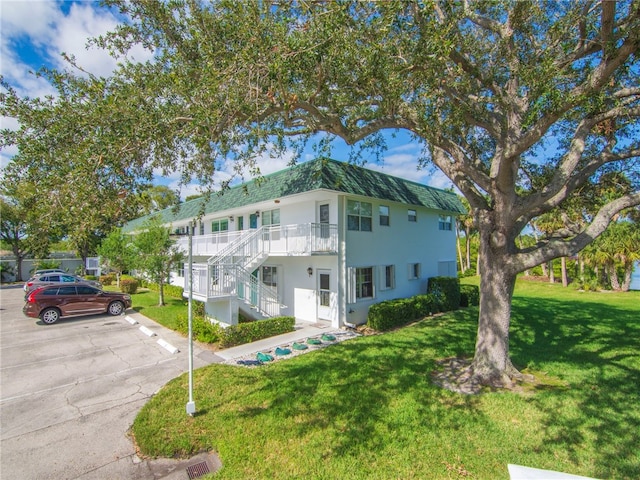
(191, 405)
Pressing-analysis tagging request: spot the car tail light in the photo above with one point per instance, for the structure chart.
(31, 296)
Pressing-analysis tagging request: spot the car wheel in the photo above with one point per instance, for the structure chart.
(116, 308)
(50, 315)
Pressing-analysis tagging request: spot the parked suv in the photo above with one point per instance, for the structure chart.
(49, 303)
(57, 278)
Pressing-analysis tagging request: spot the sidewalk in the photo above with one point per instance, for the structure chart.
(303, 331)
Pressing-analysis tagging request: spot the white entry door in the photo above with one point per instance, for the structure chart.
(324, 294)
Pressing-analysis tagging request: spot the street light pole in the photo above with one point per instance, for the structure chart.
(191, 405)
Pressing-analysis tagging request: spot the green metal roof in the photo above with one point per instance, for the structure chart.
(313, 175)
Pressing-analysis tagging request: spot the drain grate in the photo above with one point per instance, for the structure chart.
(197, 470)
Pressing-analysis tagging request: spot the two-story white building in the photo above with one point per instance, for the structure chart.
(321, 241)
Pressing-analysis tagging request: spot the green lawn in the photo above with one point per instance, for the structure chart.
(366, 408)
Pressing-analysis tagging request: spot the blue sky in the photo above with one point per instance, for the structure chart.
(34, 33)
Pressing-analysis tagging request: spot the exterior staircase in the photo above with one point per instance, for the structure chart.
(230, 273)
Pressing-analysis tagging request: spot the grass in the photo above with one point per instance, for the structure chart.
(366, 408)
(146, 302)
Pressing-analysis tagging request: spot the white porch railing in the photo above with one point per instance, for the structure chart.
(300, 239)
(207, 245)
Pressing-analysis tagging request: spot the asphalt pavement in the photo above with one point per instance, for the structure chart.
(69, 393)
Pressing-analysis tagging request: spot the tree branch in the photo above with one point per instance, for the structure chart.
(558, 247)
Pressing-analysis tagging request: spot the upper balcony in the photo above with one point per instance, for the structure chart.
(279, 240)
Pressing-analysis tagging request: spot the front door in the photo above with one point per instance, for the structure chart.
(253, 220)
(324, 294)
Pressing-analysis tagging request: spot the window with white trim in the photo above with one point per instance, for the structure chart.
(384, 215)
(181, 269)
(444, 222)
(271, 217)
(414, 271)
(412, 215)
(359, 216)
(387, 276)
(364, 283)
(221, 225)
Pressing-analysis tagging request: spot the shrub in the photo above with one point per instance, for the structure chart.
(395, 313)
(107, 279)
(469, 296)
(90, 277)
(170, 290)
(447, 289)
(128, 285)
(250, 332)
(203, 330)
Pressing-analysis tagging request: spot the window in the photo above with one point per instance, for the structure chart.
(181, 269)
(359, 216)
(240, 223)
(271, 217)
(270, 276)
(387, 277)
(324, 290)
(364, 282)
(444, 222)
(413, 216)
(220, 225)
(201, 228)
(67, 291)
(86, 290)
(384, 215)
(414, 271)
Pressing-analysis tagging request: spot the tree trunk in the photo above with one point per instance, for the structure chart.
(462, 265)
(565, 277)
(545, 269)
(468, 252)
(613, 276)
(161, 293)
(552, 275)
(491, 364)
(628, 271)
(19, 268)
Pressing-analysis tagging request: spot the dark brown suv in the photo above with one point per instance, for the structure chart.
(52, 302)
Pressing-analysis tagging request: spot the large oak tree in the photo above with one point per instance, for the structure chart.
(519, 103)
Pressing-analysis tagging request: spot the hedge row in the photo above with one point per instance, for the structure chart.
(444, 294)
(170, 290)
(250, 332)
(469, 296)
(447, 289)
(202, 330)
(394, 313)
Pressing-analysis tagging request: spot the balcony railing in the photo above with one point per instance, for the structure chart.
(300, 239)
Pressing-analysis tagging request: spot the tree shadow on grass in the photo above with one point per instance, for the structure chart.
(594, 349)
(354, 391)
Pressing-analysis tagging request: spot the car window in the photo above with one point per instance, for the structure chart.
(49, 291)
(86, 290)
(50, 278)
(67, 291)
(67, 278)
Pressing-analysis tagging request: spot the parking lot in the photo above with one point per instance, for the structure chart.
(69, 392)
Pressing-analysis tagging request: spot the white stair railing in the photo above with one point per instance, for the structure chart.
(229, 275)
